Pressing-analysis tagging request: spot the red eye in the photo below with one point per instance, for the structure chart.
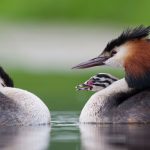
(113, 52)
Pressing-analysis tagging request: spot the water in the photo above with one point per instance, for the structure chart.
(65, 133)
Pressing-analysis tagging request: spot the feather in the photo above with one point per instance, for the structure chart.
(8, 81)
(128, 35)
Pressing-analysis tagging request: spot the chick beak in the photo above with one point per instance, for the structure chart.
(98, 61)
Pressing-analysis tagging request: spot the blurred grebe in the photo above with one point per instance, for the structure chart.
(20, 107)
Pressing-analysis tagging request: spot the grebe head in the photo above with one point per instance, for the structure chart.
(130, 51)
(97, 82)
(5, 80)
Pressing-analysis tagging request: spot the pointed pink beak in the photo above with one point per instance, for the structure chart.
(98, 61)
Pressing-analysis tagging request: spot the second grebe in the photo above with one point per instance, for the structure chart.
(20, 107)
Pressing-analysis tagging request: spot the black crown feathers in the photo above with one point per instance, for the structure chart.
(127, 35)
(7, 80)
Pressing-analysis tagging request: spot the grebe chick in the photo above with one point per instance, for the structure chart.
(97, 82)
(19, 107)
(126, 100)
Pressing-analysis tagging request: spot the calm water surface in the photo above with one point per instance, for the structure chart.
(65, 133)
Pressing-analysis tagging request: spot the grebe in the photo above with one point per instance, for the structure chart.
(97, 82)
(19, 107)
(126, 100)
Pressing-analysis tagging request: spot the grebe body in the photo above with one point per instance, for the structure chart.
(20, 107)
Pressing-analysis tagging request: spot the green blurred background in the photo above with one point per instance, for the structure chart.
(40, 40)
(91, 11)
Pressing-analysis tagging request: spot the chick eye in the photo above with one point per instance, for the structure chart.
(113, 52)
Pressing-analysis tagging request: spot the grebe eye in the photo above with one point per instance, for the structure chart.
(113, 52)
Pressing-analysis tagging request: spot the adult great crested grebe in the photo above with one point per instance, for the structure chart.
(126, 100)
(20, 107)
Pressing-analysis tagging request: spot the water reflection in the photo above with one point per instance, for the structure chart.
(65, 133)
(115, 137)
(24, 138)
